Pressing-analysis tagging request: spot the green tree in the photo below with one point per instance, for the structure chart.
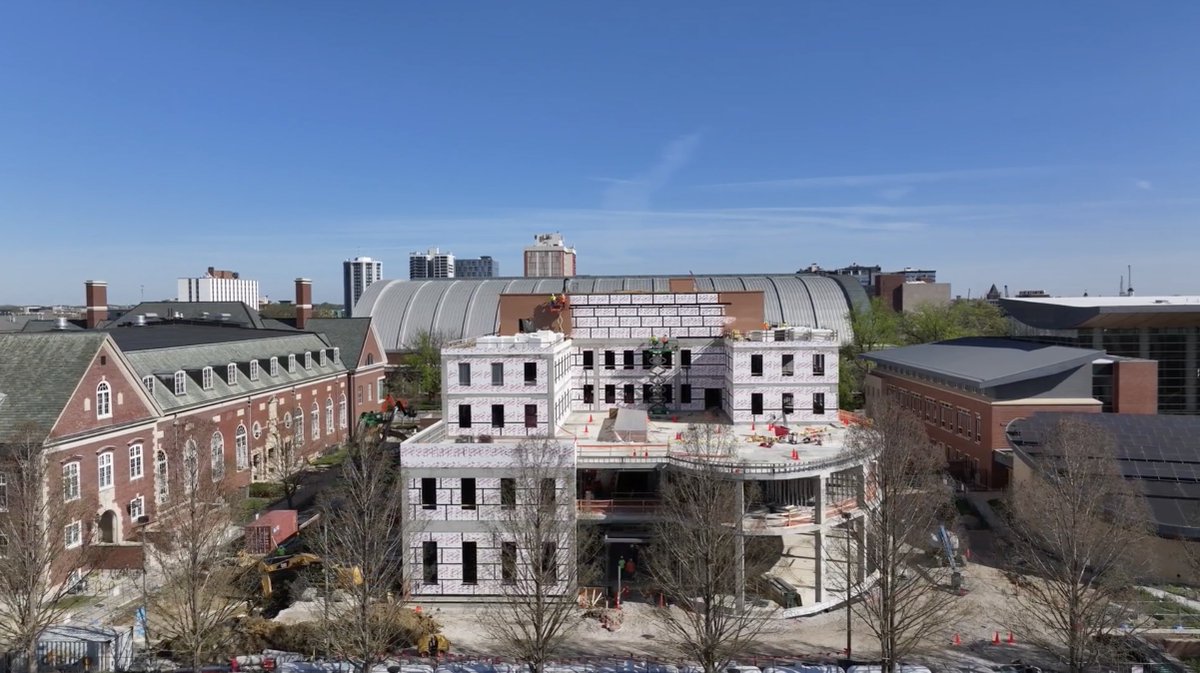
(420, 374)
(873, 326)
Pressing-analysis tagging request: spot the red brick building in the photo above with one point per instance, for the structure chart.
(967, 391)
(121, 407)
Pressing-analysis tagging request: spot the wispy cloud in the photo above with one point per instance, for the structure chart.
(635, 193)
(894, 193)
(1143, 185)
(888, 179)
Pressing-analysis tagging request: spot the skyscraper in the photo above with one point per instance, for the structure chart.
(430, 264)
(357, 275)
(484, 267)
(549, 257)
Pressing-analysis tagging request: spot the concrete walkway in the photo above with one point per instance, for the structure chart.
(1175, 598)
(979, 500)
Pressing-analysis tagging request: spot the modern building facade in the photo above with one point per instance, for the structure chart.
(863, 274)
(433, 263)
(1158, 455)
(484, 267)
(1163, 329)
(549, 256)
(967, 391)
(218, 285)
(614, 379)
(357, 276)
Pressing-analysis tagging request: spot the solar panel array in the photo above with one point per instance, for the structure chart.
(1160, 453)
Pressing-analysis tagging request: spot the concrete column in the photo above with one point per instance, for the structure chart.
(1191, 377)
(819, 574)
(819, 543)
(860, 535)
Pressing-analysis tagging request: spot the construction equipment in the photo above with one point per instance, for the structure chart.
(346, 577)
(947, 543)
(435, 645)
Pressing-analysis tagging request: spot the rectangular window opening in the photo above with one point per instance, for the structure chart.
(429, 562)
(468, 493)
(789, 364)
(470, 563)
(756, 365)
(530, 373)
(497, 415)
(508, 493)
(497, 373)
(508, 562)
(589, 359)
(531, 419)
(428, 493)
(756, 404)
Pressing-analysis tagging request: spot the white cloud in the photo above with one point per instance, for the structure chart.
(1143, 185)
(885, 179)
(635, 193)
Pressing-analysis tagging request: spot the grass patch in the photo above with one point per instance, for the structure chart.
(1165, 612)
(1179, 590)
(76, 601)
(247, 507)
(266, 489)
(331, 459)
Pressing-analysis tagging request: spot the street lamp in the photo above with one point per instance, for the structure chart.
(849, 615)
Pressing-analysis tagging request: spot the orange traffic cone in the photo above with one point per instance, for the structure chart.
(996, 638)
(795, 455)
(751, 426)
(1011, 640)
(679, 436)
(646, 454)
(585, 429)
(957, 640)
(589, 418)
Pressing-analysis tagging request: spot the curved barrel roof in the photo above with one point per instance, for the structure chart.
(470, 307)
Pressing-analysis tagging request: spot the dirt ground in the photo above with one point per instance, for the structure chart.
(820, 637)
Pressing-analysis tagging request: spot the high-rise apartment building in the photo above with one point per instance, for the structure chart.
(484, 267)
(219, 285)
(357, 275)
(430, 264)
(549, 256)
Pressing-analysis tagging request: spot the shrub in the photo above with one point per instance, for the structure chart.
(266, 489)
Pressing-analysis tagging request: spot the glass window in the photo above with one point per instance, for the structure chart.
(191, 466)
(464, 415)
(137, 508)
(162, 485)
(464, 373)
(818, 364)
(589, 393)
(818, 403)
(530, 373)
(70, 481)
(316, 421)
(274, 366)
(342, 411)
(497, 415)
(788, 364)
(135, 461)
(103, 401)
(629, 393)
(497, 373)
(104, 469)
(610, 394)
(308, 360)
(291, 363)
(180, 383)
(329, 415)
(787, 403)
(217, 447)
(73, 535)
(241, 448)
(231, 374)
(206, 378)
(508, 493)
(531, 416)
(254, 370)
(148, 382)
(756, 365)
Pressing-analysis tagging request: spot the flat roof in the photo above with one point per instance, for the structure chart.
(983, 362)
(1104, 312)
(1160, 453)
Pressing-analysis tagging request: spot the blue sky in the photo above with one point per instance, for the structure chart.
(1039, 145)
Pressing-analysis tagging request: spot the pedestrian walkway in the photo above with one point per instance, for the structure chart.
(1175, 598)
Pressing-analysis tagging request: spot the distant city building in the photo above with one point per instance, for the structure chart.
(357, 275)
(909, 289)
(219, 285)
(432, 263)
(549, 256)
(863, 274)
(484, 267)
(912, 275)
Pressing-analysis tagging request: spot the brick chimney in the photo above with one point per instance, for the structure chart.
(96, 294)
(303, 302)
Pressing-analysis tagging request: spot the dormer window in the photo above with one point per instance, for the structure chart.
(337, 354)
(103, 401)
(254, 370)
(231, 374)
(206, 378)
(180, 383)
(274, 366)
(148, 382)
(291, 363)
(322, 358)
(307, 360)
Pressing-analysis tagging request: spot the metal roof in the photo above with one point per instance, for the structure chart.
(38, 374)
(470, 307)
(982, 362)
(1160, 453)
(1112, 312)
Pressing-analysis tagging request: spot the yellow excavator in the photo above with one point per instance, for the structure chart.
(346, 577)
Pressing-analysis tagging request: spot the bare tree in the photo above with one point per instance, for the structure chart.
(697, 557)
(1077, 524)
(189, 548)
(543, 557)
(365, 533)
(906, 500)
(286, 464)
(40, 561)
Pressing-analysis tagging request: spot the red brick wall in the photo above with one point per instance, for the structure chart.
(127, 403)
(887, 288)
(1135, 387)
(994, 419)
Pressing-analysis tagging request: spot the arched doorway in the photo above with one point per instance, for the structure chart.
(108, 527)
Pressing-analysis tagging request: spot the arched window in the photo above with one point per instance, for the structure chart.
(103, 400)
(342, 411)
(241, 448)
(217, 445)
(316, 421)
(329, 415)
(162, 482)
(191, 466)
(370, 358)
(299, 436)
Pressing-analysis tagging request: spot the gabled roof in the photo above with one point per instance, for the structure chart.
(238, 312)
(982, 362)
(348, 334)
(38, 374)
(1161, 454)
